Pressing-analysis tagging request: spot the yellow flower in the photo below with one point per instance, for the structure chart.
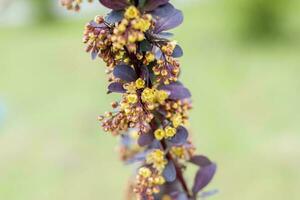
(131, 12)
(159, 180)
(141, 24)
(149, 57)
(170, 131)
(132, 98)
(139, 83)
(159, 134)
(130, 87)
(145, 172)
(157, 159)
(161, 96)
(148, 95)
(176, 120)
(178, 151)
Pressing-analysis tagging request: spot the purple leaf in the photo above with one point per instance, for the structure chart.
(166, 17)
(153, 4)
(182, 196)
(116, 87)
(180, 137)
(177, 91)
(165, 35)
(158, 53)
(208, 193)
(145, 139)
(203, 177)
(126, 140)
(114, 16)
(200, 160)
(115, 4)
(139, 157)
(94, 54)
(178, 52)
(125, 73)
(169, 172)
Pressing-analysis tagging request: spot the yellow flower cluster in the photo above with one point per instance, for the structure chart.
(157, 159)
(168, 132)
(98, 41)
(148, 182)
(149, 179)
(152, 95)
(131, 29)
(167, 70)
(168, 48)
(177, 112)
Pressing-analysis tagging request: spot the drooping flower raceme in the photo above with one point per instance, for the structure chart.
(152, 114)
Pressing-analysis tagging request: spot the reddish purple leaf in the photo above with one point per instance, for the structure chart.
(200, 160)
(203, 177)
(114, 16)
(177, 91)
(180, 137)
(182, 196)
(169, 172)
(116, 87)
(145, 139)
(178, 52)
(94, 54)
(166, 17)
(115, 4)
(153, 4)
(125, 73)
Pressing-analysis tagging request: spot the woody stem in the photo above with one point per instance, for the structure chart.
(178, 171)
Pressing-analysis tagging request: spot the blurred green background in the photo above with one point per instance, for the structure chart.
(241, 63)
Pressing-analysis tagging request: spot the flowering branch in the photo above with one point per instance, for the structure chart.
(151, 117)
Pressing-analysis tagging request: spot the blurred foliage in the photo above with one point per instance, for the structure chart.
(43, 11)
(246, 114)
(261, 19)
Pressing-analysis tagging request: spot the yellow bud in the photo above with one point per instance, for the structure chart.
(132, 38)
(164, 72)
(121, 28)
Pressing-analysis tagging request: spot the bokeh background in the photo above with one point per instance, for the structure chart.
(241, 63)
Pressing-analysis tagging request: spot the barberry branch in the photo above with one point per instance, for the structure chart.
(151, 117)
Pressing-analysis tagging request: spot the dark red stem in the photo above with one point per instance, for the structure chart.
(178, 171)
